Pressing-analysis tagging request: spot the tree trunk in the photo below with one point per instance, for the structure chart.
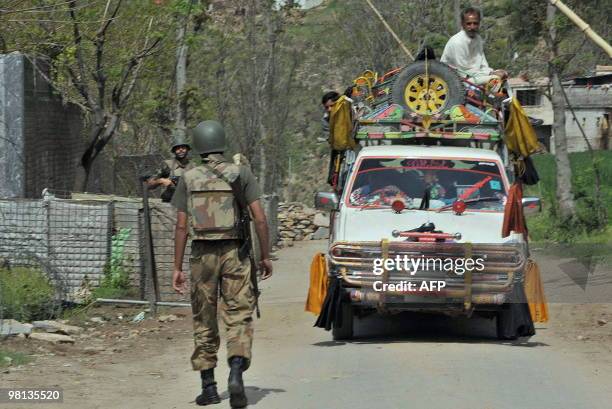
(565, 197)
(101, 134)
(457, 12)
(180, 124)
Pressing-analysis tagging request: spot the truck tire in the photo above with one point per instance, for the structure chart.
(505, 324)
(345, 331)
(410, 91)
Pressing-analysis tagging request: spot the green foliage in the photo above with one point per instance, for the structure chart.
(116, 276)
(587, 226)
(9, 358)
(228, 55)
(105, 291)
(26, 294)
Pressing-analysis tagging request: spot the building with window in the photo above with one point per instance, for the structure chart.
(532, 96)
(591, 102)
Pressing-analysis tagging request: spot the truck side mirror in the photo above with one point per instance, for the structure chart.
(532, 205)
(326, 201)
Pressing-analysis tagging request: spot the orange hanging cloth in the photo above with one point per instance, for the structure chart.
(318, 284)
(535, 293)
(514, 220)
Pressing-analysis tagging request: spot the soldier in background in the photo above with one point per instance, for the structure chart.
(207, 210)
(240, 159)
(172, 169)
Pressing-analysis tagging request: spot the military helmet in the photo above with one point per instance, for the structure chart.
(208, 137)
(179, 141)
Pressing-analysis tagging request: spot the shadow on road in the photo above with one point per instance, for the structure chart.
(415, 327)
(254, 394)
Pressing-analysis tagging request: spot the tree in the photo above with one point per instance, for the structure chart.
(252, 84)
(90, 64)
(106, 116)
(565, 197)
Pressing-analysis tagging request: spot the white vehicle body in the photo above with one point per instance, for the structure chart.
(367, 230)
(356, 224)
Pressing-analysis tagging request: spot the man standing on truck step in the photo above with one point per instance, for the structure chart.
(211, 201)
(172, 169)
(465, 51)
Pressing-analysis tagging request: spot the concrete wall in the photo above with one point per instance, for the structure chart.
(589, 104)
(40, 136)
(589, 119)
(52, 134)
(12, 156)
(543, 111)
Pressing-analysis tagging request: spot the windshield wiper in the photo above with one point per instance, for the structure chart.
(476, 186)
(480, 199)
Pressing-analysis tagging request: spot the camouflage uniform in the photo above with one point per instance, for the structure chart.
(173, 168)
(217, 273)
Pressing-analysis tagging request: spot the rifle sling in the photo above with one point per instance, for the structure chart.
(235, 185)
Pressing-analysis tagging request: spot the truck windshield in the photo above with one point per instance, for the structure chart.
(380, 181)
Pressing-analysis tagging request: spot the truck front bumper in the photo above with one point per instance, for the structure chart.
(435, 288)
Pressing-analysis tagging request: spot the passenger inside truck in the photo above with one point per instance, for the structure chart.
(379, 182)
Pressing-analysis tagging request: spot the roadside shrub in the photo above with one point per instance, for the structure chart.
(26, 294)
(115, 273)
(590, 223)
(116, 281)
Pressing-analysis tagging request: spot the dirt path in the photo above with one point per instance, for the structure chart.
(397, 362)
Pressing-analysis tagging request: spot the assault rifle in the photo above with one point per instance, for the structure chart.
(243, 227)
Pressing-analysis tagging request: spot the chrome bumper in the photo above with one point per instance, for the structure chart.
(503, 265)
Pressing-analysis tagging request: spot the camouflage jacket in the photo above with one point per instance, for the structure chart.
(173, 168)
(211, 206)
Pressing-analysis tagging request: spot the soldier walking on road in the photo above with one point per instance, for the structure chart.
(172, 169)
(209, 209)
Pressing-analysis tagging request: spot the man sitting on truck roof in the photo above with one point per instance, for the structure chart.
(464, 51)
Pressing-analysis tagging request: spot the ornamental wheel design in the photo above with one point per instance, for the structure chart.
(426, 94)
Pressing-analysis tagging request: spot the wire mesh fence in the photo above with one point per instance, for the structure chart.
(80, 241)
(67, 242)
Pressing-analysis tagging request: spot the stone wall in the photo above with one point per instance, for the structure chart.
(298, 222)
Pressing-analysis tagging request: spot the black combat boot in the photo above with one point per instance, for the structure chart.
(235, 386)
(209, 394)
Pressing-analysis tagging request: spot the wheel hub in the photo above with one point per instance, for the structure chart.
(426, 95)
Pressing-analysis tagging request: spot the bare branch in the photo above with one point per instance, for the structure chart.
(99, 40)
(78, 84)
(132, 68)
(43, 8)
(50, 82)
(81, 79)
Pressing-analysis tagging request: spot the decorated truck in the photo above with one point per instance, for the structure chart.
(419, 207)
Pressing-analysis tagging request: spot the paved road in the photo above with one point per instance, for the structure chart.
(401, 362)
(430, 363)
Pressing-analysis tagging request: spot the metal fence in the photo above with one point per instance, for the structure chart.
(70, 239)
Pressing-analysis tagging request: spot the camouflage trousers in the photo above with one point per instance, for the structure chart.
(220, 283)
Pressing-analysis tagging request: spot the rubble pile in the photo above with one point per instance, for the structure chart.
(298, 222)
